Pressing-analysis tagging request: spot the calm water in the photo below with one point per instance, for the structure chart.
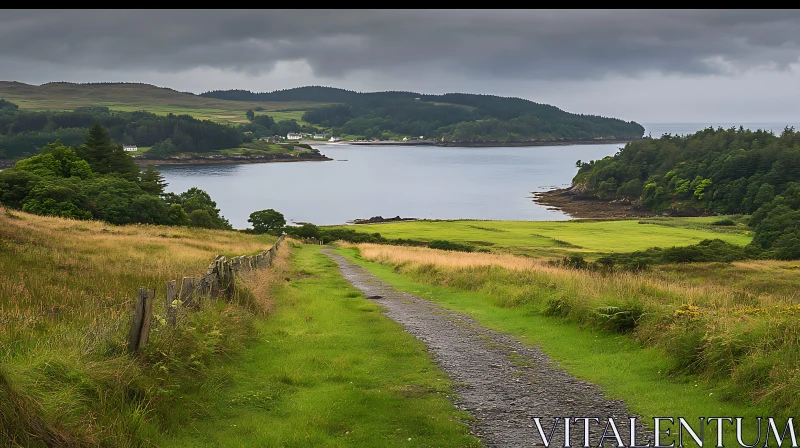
(417, 182)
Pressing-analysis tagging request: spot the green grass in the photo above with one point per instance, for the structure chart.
(622, 367)
(135, 97)
(327, 369)
(548, 238)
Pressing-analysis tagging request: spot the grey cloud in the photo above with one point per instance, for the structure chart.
(513, 45)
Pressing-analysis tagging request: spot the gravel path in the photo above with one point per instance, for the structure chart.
(500, 381)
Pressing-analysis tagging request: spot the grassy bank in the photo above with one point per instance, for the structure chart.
(327, 369)
(742, 345)
(554, 239)
(66, 296)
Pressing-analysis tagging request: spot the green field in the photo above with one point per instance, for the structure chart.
(134, 97)
(549, 238)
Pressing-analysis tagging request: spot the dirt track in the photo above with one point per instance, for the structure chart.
(500, 381)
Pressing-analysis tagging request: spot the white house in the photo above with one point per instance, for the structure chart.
(319, 135)
(293, 136)
(335, 139)
(130, 148)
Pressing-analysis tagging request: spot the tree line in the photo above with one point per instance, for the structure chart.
(725, 171)
(98, 180)
(22, 132)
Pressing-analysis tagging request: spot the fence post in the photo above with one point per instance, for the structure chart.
(188, 286)
(144, 335)
(138, 317)
(230, 289)
(172, 287)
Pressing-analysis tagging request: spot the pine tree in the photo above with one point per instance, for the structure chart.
(104, 156)
(151, 181)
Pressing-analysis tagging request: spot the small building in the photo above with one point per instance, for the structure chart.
(130, 148)
(334, 139)
(320, 136)
(405, 139)
(293, 136)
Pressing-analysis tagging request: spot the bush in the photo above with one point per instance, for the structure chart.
(449, 245)
(724, 222)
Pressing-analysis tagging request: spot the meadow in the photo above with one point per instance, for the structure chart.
(297, 358)
(67, 291)
(739, 336)
(550, 239)
(136, 97)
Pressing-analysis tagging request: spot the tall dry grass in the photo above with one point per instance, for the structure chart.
(66, 299)
(707, 323)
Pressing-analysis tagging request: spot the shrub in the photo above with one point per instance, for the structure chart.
(724, 222)
(449, 245)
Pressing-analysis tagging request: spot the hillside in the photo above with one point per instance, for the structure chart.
(452, 117)
(57, 96)
(67, 291)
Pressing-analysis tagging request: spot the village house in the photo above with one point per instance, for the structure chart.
(334, 139)
(293, 136)
(130, 148)
(320, 136)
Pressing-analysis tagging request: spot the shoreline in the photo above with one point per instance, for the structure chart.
(583, 207)
(226, 160)
(481, 144)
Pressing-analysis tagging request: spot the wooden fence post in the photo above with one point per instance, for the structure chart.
(144, 334)
(188, 286)
(172, 289)
(230, 289)
(138, 317)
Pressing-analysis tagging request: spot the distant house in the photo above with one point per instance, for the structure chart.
(334, 139)
(405, 139)
(293, 136)
(320, 135)
(130, 148)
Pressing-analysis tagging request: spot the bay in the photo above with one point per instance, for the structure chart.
(411, 181)
(416, 181)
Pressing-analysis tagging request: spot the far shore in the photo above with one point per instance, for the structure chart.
(154, 162)
(472, 144)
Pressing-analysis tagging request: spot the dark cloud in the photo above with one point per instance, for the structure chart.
(505, 44)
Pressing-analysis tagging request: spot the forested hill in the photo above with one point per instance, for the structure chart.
(730, 171)
(455, 117)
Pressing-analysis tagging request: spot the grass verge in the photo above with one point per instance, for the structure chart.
(327, 369)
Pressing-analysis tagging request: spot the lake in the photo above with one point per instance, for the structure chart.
(414, 182)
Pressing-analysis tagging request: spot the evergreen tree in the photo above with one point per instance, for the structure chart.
(104, 156)
(151, 181)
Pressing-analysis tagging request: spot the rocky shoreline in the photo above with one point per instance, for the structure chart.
(380, 219)
(585, 207)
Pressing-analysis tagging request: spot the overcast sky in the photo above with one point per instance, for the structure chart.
(648, 66)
